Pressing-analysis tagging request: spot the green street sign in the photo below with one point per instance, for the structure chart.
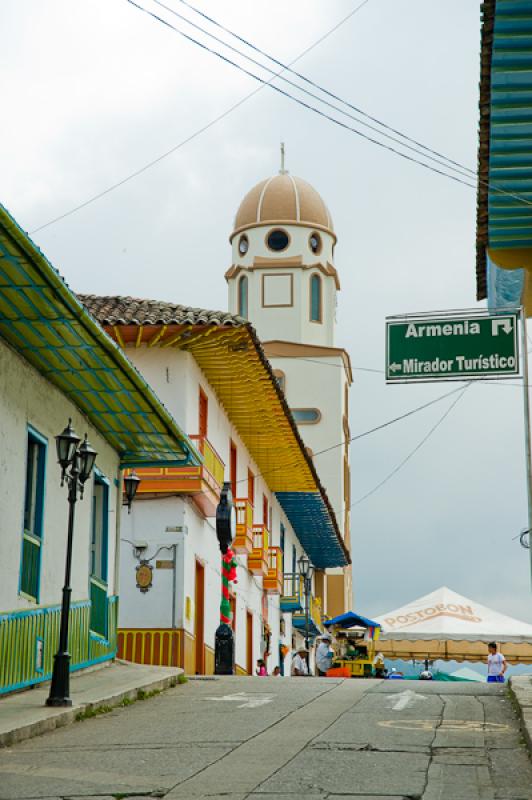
(452, 346)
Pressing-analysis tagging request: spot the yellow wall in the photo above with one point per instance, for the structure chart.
(336, 595)
(208, 660)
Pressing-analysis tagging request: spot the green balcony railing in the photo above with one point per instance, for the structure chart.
(29, 639)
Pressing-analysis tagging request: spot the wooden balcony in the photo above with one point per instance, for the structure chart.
(273, 582)
(243, 542)
(292, 595)
(258, 558)
(202, 483)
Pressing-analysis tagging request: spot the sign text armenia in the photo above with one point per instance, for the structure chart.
(451, 347)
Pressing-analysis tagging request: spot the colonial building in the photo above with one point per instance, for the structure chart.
(211, 372)
(283, 280)
(56, 363)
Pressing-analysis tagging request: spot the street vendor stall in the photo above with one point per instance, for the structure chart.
(354, 645)
(445, 625)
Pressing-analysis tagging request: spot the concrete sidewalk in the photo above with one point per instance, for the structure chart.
(521, 688)
(25, 714)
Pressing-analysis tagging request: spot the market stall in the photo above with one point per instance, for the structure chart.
(445, 625)
(354, 645)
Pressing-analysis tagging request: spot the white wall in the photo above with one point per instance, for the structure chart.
(26, 398)
(286, 323)
(176, 378)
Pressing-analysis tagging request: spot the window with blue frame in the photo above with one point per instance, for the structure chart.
(315, 299)
(30, 567)
(99, 554)
(243, 297)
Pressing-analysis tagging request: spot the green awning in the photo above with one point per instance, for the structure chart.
(45, 323)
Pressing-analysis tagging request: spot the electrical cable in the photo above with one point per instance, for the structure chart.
(319, 112)
(297, 100)
(448, 163)
(287, 68)
(412, 452)
(199, 131)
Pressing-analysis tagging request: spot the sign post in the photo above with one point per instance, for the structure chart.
(452, 346)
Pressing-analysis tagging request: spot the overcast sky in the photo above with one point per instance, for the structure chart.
(92, 91)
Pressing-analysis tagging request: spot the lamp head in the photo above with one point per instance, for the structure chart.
(66, 445)
(131, 484)
(87, 458)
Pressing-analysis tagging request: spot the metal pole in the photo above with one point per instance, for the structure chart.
(528, 448)
(307, 596)
(60, 688)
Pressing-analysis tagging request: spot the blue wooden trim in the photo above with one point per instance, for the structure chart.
(26, 684)
(34, 436)
(95, 637)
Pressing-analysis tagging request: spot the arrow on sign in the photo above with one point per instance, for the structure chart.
(245, 700)
(396, 367)
(497, 324)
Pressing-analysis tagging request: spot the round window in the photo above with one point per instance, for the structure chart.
(243, 245)
(315, 242)
(278, 240)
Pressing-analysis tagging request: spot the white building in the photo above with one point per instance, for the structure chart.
(210, 371)
(56, 363)
(283, 280)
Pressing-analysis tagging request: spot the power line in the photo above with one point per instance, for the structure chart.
(319, 112)
(366, 433)
(298, 100)
(462, 170)
(318, 86)
(199, 131)
(412, 452)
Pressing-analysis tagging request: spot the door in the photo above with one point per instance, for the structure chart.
(203, 413)
(232, 467)
(251, 487)
(199, 617)
(249, 643)
(265, 510)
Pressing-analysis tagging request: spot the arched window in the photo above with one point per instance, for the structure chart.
(280, 377)
(315, 299)
(243, 297)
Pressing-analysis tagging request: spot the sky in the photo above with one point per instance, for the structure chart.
(93, 91)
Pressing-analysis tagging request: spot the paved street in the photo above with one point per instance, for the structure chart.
(278, 739)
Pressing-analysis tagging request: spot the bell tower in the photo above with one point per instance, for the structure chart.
(283, 280)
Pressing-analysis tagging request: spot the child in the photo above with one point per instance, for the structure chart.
(276, 672)
(261, 668)
(496, 664)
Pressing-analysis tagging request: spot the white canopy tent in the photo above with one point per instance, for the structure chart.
(446, 625)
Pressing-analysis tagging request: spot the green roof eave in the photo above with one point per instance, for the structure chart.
(43, 320)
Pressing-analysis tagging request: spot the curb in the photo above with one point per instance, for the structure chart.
(67, 716)
(521, 691)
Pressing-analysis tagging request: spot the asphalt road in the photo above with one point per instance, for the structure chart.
(282, 739)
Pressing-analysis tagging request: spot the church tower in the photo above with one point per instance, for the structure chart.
(283, 280)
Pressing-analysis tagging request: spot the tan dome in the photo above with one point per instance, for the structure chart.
(282, 199)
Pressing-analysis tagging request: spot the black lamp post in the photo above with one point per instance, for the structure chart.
(77, 464)
(306, 571)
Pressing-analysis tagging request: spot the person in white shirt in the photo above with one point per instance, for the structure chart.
(496, 664)
(299, 663)
(324, 655)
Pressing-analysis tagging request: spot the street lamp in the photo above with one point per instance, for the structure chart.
(306, 571)
(76, 464)
(131, 484)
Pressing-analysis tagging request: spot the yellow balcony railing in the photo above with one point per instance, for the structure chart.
(212, 461)
(258, 558)
(273, 581)
(244, 526)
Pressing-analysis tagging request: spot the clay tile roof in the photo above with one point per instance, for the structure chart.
(119, 310)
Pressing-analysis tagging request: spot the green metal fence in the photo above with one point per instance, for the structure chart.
(29, 639)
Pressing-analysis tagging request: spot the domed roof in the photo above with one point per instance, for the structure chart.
(283, 198)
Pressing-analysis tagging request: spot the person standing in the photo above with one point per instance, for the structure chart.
(324, 655)
(496, 664)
